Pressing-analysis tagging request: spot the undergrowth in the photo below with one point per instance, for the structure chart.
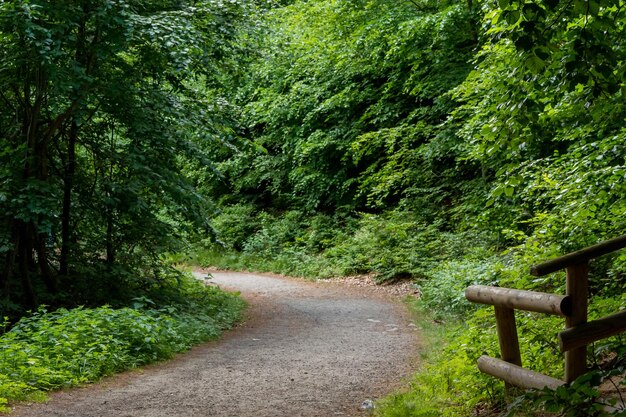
(389, 246)
(53, 349)
(448, 383)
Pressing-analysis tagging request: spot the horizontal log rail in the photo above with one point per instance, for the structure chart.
(579, 257)
(538, 302)
(573, 306)
(516, 375)
(593, 331)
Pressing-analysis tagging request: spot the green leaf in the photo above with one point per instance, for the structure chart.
(504, 4)
(512, 16)
(534, 63)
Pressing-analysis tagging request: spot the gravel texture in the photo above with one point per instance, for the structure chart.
(306, 349)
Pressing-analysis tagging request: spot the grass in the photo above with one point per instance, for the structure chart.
(48, 350)
(447, 382)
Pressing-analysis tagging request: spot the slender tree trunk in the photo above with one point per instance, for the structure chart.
(5, 276)
(109, 242)
(24, 245)
(40, 153)
(49, 279)
(25, 260)
(41, 162)
(70, 169)
(110, 221)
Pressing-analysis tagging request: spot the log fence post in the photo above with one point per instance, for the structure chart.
(507, 335)
(577, 288)
(507, 338)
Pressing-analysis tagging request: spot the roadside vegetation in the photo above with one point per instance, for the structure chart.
(48, 350)
(444, 142)
(107, 109)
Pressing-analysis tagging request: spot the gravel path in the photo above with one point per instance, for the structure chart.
(307, 349)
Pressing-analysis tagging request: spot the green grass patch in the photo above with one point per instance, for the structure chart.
(48, 350)
(447, 383)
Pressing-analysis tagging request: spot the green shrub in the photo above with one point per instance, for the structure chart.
(49, 350)
(443, 290)
(289, 243)
(235, 224)
(393, 245)
(399, 245)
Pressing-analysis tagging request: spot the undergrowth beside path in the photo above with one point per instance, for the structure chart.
(54, 349)
(449, 384)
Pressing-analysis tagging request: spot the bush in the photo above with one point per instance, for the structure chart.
(235, 224)
(49, 350)
(398, 245)
(443, 291)
(393, 245)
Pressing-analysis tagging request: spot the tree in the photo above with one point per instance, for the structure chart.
(543, 113)
(347, 102)
(103, 103)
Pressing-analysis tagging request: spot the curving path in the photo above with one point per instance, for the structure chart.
(307, 349)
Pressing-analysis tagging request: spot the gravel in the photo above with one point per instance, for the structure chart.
(306, 349)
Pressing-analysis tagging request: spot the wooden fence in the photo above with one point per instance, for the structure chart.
(572, 306)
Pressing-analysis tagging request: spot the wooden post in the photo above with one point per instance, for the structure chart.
(578, 289)
(507, 335)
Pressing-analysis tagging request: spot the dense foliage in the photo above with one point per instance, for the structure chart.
(107, 111)
(451, 143)
(105, 107)
(49, 350)
(393, 126)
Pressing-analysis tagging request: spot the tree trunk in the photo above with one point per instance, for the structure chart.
(68, 183)
(39, 141)
(109, 243)
(49, 279)
(7, 272)
(25, 260)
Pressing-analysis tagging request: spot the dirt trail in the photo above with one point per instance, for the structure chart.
(307, 349)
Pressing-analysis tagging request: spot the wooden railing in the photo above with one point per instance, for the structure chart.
(572, 306)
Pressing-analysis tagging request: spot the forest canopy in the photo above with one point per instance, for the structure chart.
(333, 137)
(322, 138)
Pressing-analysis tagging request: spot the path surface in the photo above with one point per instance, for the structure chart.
(307, 349)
